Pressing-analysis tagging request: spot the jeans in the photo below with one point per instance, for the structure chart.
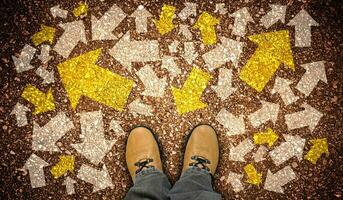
(194, 183)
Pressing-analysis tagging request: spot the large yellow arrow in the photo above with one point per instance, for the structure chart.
(206, 24)
(46, 33)
(42, 102)
(253, 177)
(81, 76)
(319, 147)
(274, 48)
(65, 164)
(266, 137)
(187, 98)
(165, 23)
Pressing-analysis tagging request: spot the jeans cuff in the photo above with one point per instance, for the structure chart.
(146, 172)
(196, 170)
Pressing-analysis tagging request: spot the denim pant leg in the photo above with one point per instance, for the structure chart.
(150, 184)
(194, 183)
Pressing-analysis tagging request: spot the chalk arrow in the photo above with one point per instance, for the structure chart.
(303, 22)
(45, 54)
(277, 13)
(69, 183)
(35, 166)
(184, 30)
(46, 34)
(235, 180)
(242, 18)
(308, 117)
(74, 32)
(65, 164)
(127, 51)
(187, 98)
(94, 146)
(207, 26)
(319, 147)
(235, 125)
(224, 88)
(102, 28)
(293, 146)
(165, 24)
(138, 108)
(154, 86)
(259, 155)
(82, 77)
(315, 72)
(190, 9)
(19, 111)
(141, 16)
(254, 177)
(274, 182)
(266, 137)
(42, 102)
(189, 52)
(220, 8)
(170, 65)
(22, 63)
(45, 138)
(274, 48)
(282, 87)
(268, 112)
(116, 127)
(56, 11)
(48, 77)
(238, 152)
(99, 178)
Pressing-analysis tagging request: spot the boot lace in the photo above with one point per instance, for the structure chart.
(143, 164)
(200, 162)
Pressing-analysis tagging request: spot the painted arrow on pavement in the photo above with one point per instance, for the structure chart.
(99, 178)
(274, 182)
(190, 9)
(235, 125)
(141, 16)
(303, 22)
(268, 112)
(65, 164)
(224, 87)
(165, 24)
(277, 13)
(35, 166)
(308, 117)
(171, 66)
(19, 111)
(242, 18)
(42, 102)
(102, 28)
(44, 55)
(116, 127)
(189, 52)
(266, 137)
(136, 107)
(238, 152)
(293, 146)
(22, 63)
(56, 11)
(154, 86)
(319, 147)
(259, 155)
(82, 77)
(254, 177)
(45, 138)
(69, 183)
(184, 30)
(282, 87)
(46, 34)
(47, 76)
(207, 26)
(235, 180)
(315, 72)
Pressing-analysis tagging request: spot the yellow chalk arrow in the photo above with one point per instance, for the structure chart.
(81, 76)
(187, 98)
(65, 164)
(46, 33)
(165, 23)
(274, 48)
(82, 9)
(253, 177)
(206, 24)
(42, 102)
(319, 147)
(266, 137)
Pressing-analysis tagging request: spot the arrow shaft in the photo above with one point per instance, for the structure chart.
(37, 178)
(282, 153)
(303, 36)
(141, 24)
(307, 83)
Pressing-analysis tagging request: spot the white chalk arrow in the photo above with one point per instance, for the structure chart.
(56, 11)
(236, 181)
(315, 72)
(141, 16)
(102, 28)
(238, 152)
(277, 13)
(69, 183)
(138, 108)
(189, 10)
(293, 146)
(47, 76)
(235, 125)
(94, 146)
(259, 155)
(308, 117)
(22, 63)
(282, 87)
(154, 86)
(184, 30)
(224, 88)
(45, 138)
(170, 65)
(228, 50)
(74, 32)
(116, 127)
(19, 111)
(220, 8)
(127, 51)
(44, 55)
(242, 17)
(35, 166)
(274, 182)
(189, 52)
(303, 22)
(269, 111)
(99, 178)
